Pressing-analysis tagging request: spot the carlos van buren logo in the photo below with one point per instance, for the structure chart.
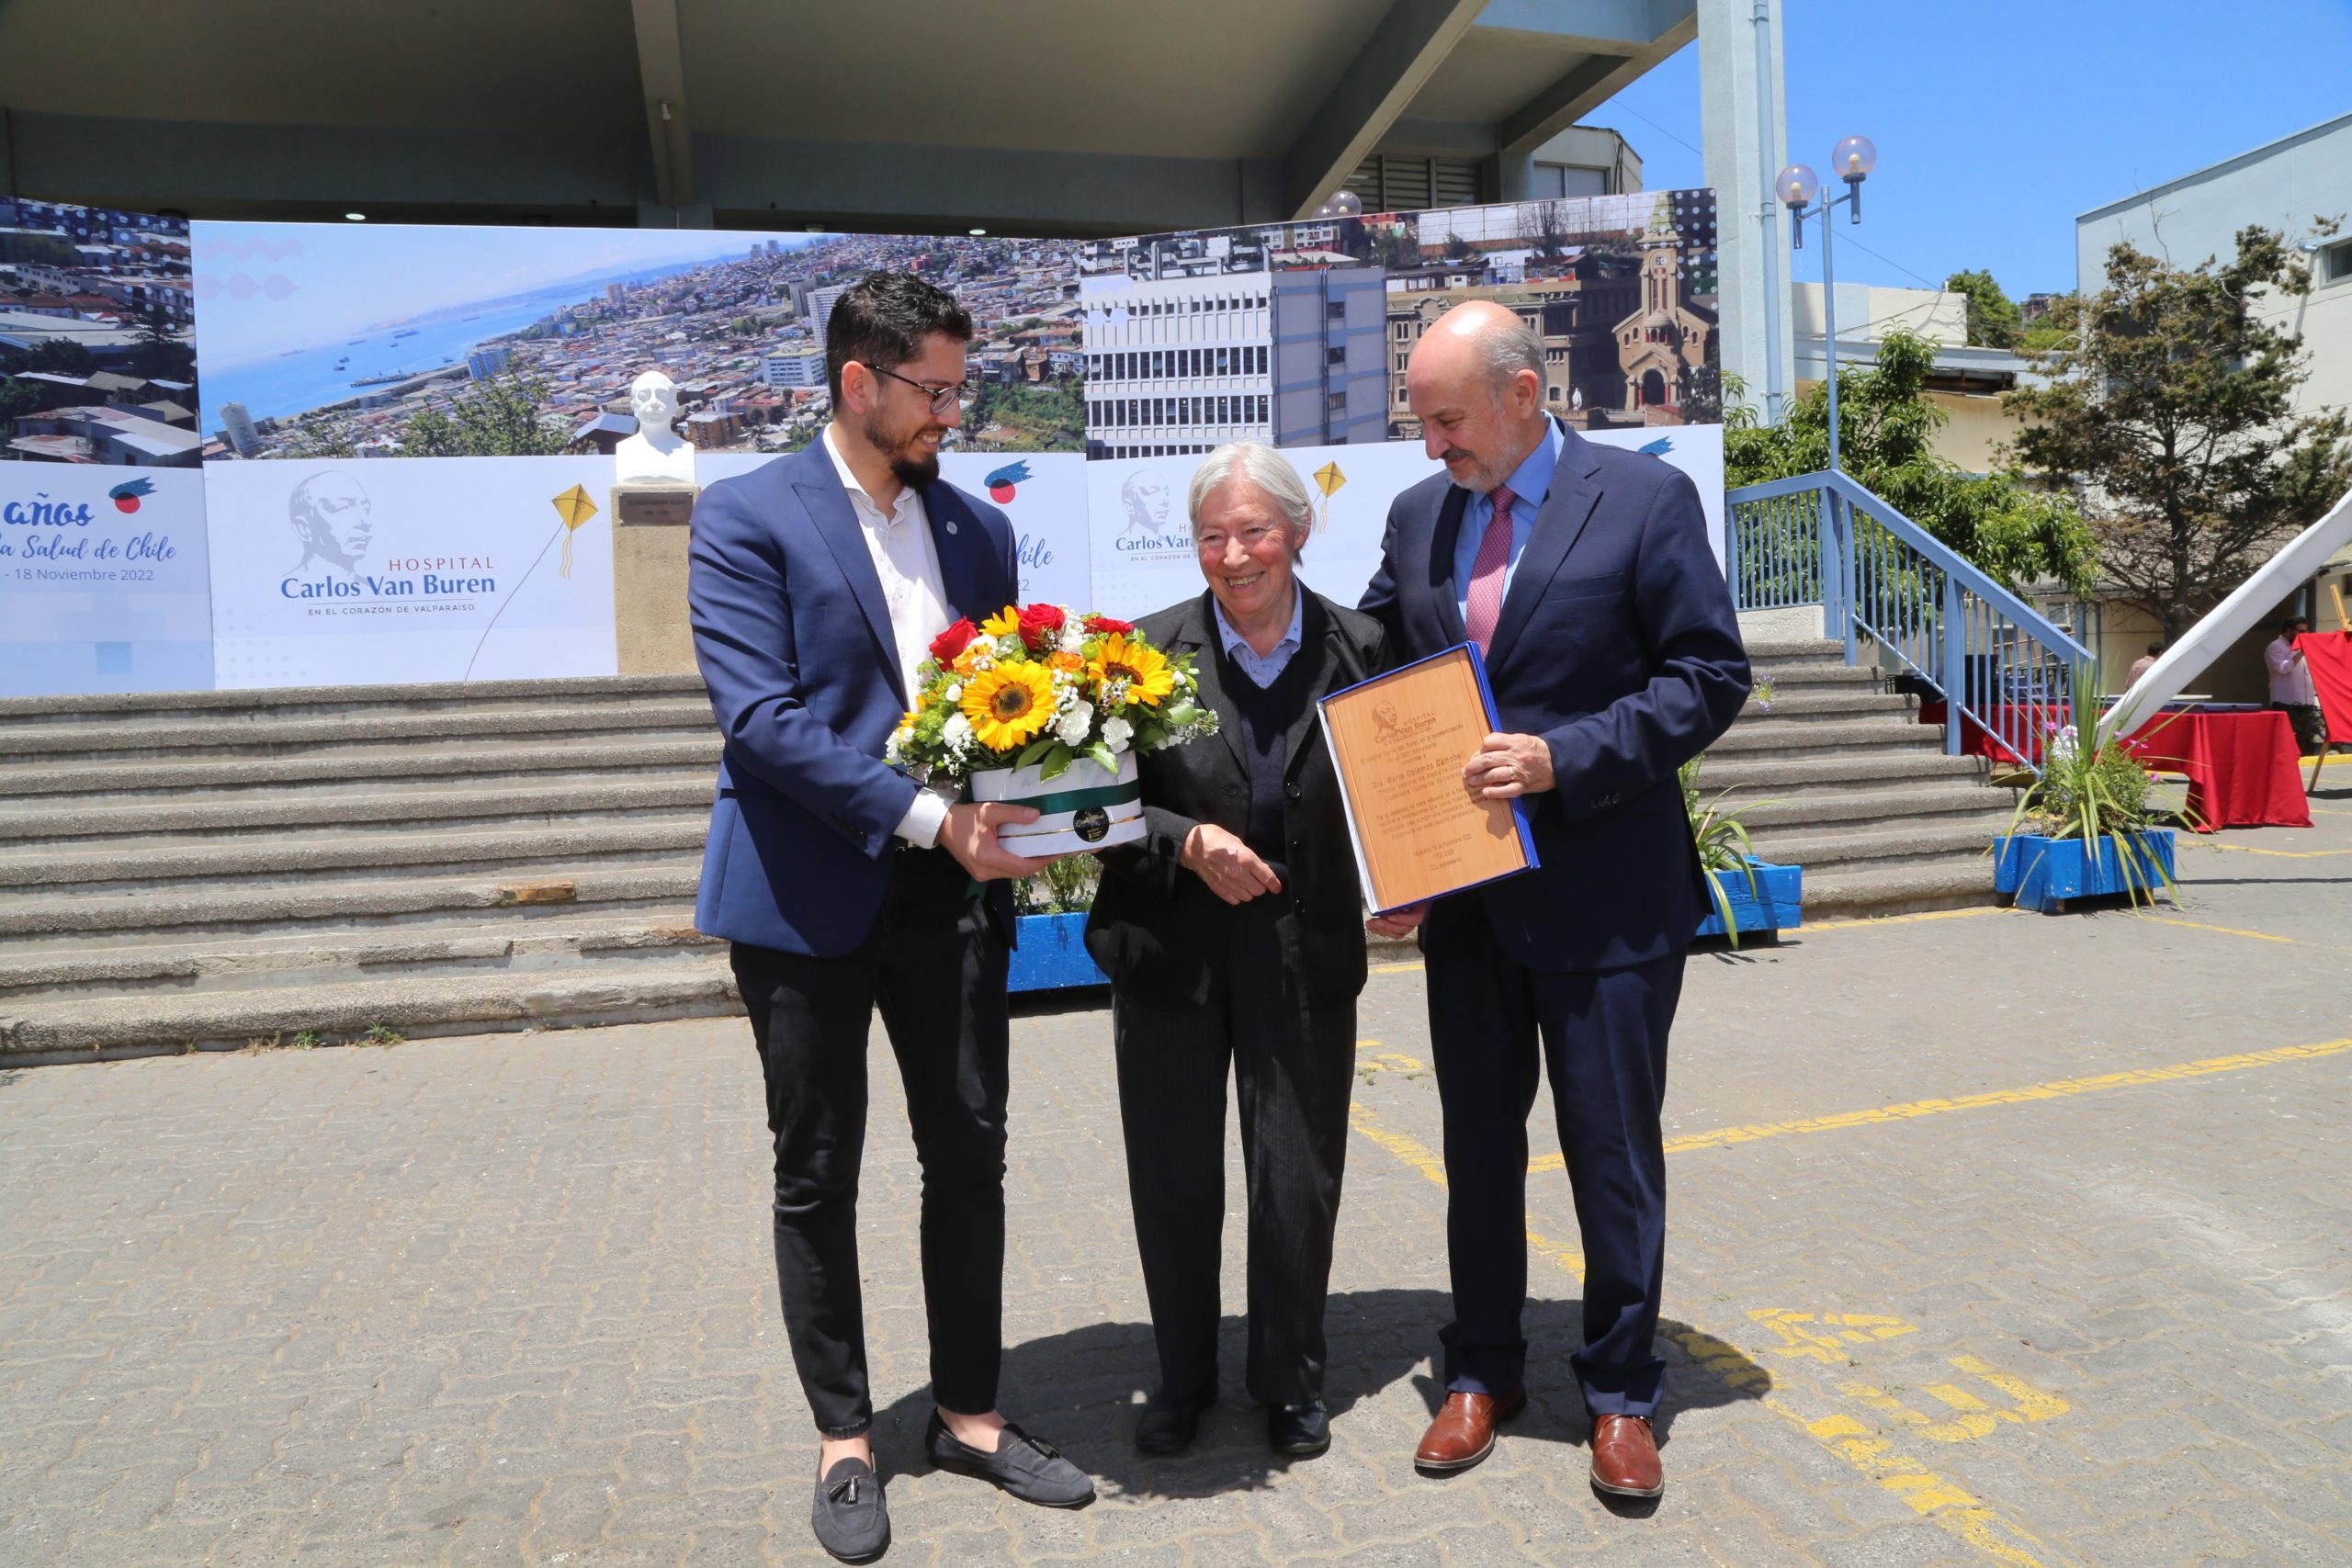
(126, 497)
(1001, 480)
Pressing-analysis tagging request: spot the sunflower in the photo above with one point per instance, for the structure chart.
(1004, 622)
(1009, 704)
(1142, 667)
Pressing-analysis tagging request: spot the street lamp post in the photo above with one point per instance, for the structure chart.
(1852, 161)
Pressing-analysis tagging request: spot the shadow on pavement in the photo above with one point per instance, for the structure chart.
(1082, 1390)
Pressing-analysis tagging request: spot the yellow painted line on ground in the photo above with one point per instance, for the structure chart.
(1950, 1507)
(2225, 931)
(1396, 968)
(2061, 1089)
(1812, 926)
(2279, 854)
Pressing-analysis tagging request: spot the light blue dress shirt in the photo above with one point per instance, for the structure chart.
(1530, 483)
(1265, 668)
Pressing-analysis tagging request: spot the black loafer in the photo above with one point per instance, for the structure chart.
(849, 1516)
(1303, 1430)
(1031, 1470)
(1169, 1422)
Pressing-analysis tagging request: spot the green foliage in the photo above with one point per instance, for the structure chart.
(309, 1039)
(1064, 887)
(2092, 792)
(503, 417)
(1992, 318)
(379, 1032)
(324, 436)
(2017, 534)
(2169, 403)
(1456, 247)
(1050, 417)
(1723, 842)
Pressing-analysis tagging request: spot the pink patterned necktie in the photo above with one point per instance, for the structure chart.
(1486, 596)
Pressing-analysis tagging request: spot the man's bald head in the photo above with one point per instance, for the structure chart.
(1475, 380)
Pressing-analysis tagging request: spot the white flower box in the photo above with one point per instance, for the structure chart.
(1085, 807)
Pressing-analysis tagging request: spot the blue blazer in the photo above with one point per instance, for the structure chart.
(794, 644)
(1619, 645)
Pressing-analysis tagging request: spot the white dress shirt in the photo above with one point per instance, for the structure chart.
(2290, 678)
(907, 563)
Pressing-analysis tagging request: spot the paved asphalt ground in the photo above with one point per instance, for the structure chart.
(1997, 1238)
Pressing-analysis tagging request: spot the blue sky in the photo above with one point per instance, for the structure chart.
(336, 279)
(1997, 121)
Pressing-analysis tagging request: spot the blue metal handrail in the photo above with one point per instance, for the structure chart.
(1824, 538)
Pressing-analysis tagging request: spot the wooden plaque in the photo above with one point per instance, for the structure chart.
(1399, 741)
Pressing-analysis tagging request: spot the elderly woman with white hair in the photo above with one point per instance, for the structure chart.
(1232, 936)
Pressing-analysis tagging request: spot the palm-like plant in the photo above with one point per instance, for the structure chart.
(2093, 791)
(1723, 842)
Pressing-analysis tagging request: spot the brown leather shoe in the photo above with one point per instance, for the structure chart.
(1464, 1431)
(1624, 1457)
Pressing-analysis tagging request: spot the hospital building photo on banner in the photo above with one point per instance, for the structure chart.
(1299, 333)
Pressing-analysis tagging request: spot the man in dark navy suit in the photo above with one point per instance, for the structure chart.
(1585, 576)
(816, 584)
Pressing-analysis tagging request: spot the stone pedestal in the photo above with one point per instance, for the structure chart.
(651, 527)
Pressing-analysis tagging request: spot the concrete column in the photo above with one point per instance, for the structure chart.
(1747, 144)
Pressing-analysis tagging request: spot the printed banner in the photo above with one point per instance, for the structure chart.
(447, 569)
(1142, 534)
(103, 580)
(1043, 496)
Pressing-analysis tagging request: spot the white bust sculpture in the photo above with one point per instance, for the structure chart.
(656, 452)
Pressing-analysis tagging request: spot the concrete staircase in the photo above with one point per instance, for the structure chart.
(214, 868)
(1842, 779)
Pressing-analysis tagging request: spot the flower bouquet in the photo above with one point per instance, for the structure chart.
(1042, 706)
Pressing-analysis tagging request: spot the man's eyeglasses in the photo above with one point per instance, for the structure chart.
(941, 398)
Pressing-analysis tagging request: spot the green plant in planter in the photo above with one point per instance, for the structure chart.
(1761, 694)
(1723, 842)
(1064, 887)
(2095, 792)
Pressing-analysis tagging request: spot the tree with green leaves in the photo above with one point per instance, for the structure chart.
(505, 416)
(1886, 428)
(2170, 410)
(1992, 318)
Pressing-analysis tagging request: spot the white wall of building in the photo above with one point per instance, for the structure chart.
(1179, 366)
(2282, 185)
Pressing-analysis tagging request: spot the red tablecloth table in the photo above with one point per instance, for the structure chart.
(2242, 767)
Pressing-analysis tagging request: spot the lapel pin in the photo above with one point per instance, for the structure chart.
(951, 524)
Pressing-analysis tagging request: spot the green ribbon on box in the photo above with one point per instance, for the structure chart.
(1080, 799)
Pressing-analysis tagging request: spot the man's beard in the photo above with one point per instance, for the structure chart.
(906, 468)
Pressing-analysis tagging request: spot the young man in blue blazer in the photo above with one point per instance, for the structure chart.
(817, 583)
(1585, 576)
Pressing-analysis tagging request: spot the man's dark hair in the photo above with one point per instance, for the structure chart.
(2155, 647)
(2290, 623)
(881, 325)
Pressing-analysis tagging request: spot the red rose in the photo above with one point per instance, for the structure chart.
(1041, 624)
(1105, 625)
(953, 641)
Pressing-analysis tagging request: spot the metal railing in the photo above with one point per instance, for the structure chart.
(1998, 664)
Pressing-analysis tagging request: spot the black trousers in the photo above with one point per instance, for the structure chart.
(2310, 721)
(1603, 1038)
(936, 968)
(1294, 1066)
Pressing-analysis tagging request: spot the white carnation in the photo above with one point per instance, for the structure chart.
(957, 733)
(1116, 733)
(955, 692)
(1074, 724)
(1073, 635)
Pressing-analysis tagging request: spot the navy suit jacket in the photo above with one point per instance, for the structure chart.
(1618, 644)
(794, 644)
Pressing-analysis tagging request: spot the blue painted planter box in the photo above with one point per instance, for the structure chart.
(2044, 873)
(1053, 954)
(1776, 905)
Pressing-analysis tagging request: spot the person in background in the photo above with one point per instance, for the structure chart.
(2291, 692)
(2143, 664)
(1232, 936)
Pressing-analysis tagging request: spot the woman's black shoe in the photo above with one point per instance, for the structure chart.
(1302, 1430)
(849, 1517)
(1169, 1423)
